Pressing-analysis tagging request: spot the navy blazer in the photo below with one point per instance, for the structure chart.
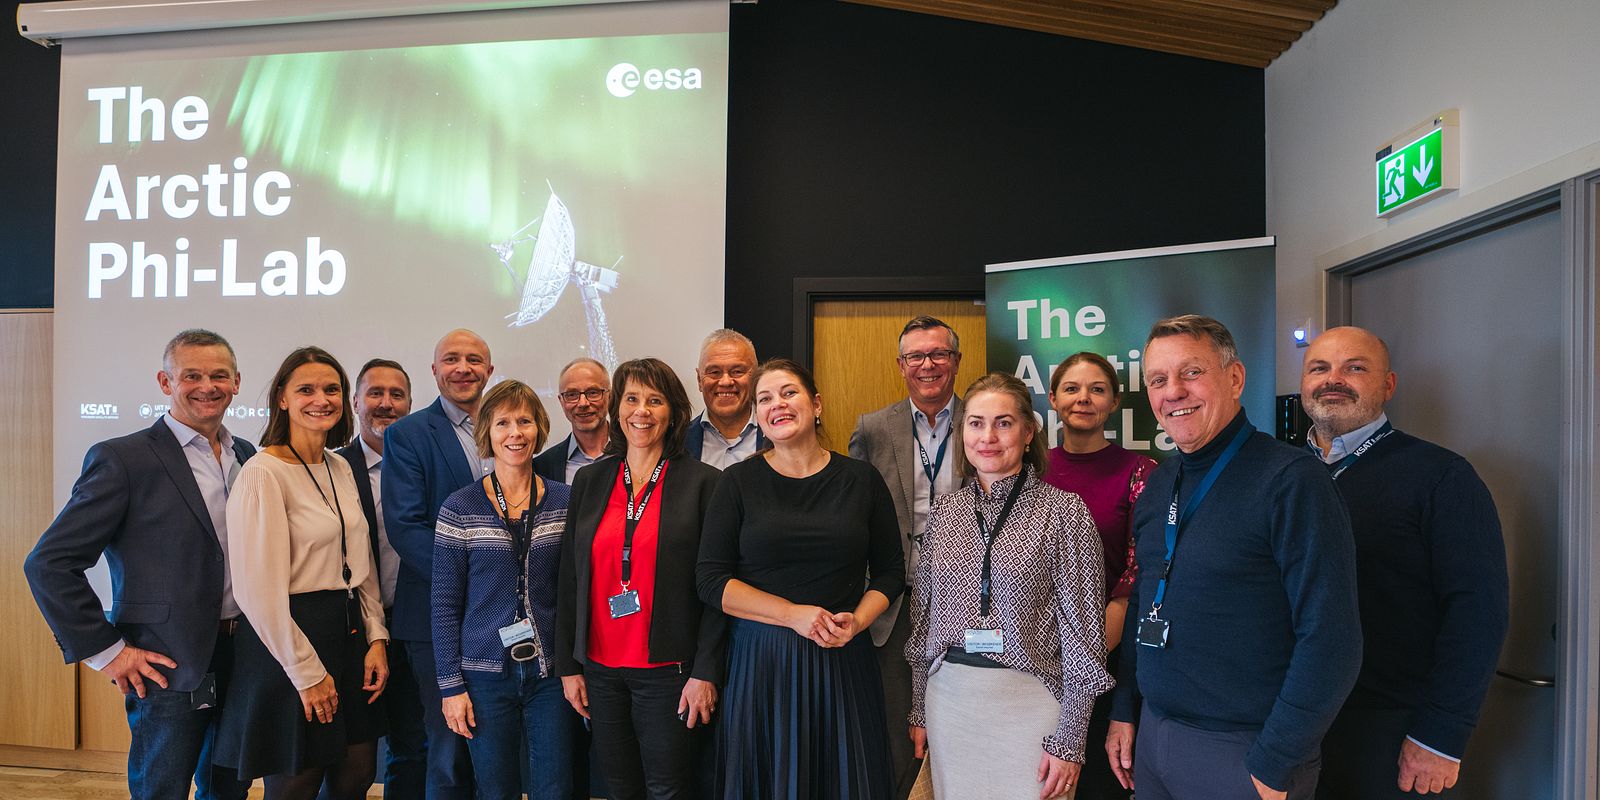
(552, 463)
(694, 441)
(137, 502)
(422, 465)
(355, 453)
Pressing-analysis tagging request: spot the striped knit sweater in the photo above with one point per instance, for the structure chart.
(475, 583)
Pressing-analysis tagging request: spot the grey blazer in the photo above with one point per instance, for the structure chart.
(882, 438)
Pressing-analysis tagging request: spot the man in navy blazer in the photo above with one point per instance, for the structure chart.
(582, 387)
(153, 503)
(426, 456)
(383, 397)
(726, 431)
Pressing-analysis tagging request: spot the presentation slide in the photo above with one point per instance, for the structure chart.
(561, 193)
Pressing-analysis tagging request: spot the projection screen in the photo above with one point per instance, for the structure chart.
(552, 178)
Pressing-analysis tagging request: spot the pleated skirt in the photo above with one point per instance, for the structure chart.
(263, 730)
(799, 721)
(986, 729)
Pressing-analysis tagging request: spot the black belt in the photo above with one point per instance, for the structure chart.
(957, 655)
(227, 627)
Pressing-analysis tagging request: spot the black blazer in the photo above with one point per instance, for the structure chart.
(681, 627)
(136, 501)
(552, 463)
(356, 454)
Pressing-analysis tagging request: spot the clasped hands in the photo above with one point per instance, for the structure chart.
(824, 627)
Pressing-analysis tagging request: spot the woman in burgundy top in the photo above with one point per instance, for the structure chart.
(639, 654)
(1084, 392)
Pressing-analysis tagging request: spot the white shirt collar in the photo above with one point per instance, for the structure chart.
(1341, 446)
(944, 413)
(453, 412)
(186, 435)
(374, 458)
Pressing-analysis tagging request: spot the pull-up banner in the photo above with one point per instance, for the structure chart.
(1042, 311)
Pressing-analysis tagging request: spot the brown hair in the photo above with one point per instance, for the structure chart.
(1004, 384)
(652, 373)
(512, 394)
(1086, 357)
(277, 431)
(800, 373)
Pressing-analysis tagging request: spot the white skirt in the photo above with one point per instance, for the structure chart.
(986, 728)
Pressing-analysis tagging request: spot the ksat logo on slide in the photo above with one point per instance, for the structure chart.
(97, 411)
(624, 79)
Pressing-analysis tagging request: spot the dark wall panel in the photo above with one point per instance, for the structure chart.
(879, 143)
(29, 82)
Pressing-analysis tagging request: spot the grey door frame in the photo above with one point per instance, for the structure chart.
(1578, 594)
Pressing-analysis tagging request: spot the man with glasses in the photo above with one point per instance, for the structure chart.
(909, 442)
(583, 388)
(726, 432)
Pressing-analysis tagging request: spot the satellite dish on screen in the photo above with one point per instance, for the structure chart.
(553, 266)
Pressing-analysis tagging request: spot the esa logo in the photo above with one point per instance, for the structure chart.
(624, 79)
(97, 411)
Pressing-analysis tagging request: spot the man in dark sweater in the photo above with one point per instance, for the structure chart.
(1431, 575)
(1243, 642)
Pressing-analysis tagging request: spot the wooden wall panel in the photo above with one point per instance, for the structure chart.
(38, 693)
(853, 351)
(102, 720)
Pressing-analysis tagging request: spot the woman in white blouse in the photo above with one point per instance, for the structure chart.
(310, 652)
(1007, 645)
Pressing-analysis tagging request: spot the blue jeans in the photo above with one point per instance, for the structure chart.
(172, 742)
(515, 704)
(449, 768)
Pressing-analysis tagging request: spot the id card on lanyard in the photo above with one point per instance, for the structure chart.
(1153, 630)
(519, 635)
(989, 640)
(626, 602)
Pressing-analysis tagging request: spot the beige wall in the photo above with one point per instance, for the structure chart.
(1522, 74)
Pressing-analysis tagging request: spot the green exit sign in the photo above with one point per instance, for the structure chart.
(1419, 165)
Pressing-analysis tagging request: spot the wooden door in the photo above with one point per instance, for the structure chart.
(854, 344)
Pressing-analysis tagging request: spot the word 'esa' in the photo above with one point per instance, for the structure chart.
(323, 273)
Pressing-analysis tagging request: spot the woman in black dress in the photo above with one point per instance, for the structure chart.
(788, 538)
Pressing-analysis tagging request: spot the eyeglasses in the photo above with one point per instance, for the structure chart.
(938, 357)
(571, 395)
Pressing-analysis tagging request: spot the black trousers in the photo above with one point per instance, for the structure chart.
(647, 751)
(1361, 754)
(897, 702)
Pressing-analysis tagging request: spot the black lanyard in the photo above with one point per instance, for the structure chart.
(930, 469)
(634, 514)
(344, 554)
(1349, 460)
(985, 590)
(1174, 522)
(521, 537)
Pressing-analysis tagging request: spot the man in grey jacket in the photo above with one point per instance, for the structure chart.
(910, 443)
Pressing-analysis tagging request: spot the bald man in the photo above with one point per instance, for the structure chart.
(426, 456)
(1430, 576)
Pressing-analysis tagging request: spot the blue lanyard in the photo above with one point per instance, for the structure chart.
(1349, 460)
(930, 470)
(1174, 522)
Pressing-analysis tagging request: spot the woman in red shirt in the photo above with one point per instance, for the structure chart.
(640, 656)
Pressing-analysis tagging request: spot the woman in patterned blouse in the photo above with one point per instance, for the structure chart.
(1007, 641)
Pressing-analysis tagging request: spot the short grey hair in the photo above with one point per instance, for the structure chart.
(928, 323)
(725, 336)
(580, 360)
(1203, 328)
(196, 337)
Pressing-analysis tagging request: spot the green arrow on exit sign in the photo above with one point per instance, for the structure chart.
(1411, 173)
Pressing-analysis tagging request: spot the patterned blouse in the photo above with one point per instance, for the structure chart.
(1048, 597)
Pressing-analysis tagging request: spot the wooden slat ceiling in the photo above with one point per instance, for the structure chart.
(1247, 32)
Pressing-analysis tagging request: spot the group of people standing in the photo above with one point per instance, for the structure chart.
(719, 605)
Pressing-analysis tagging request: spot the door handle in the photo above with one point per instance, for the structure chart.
(1527, 680)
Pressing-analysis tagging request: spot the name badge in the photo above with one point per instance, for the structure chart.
(1152, 632)
(980, 640)
(624, 604)
(519, 631)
